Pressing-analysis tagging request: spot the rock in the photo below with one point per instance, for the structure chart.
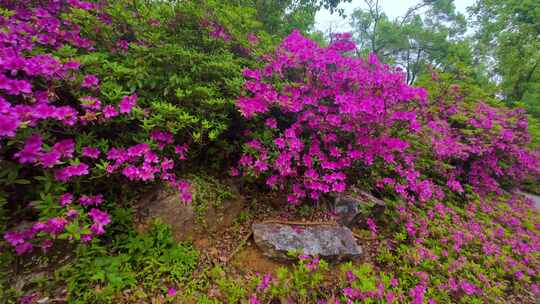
(533, 197)
(330, 242)
(352, 209)
(185, 219)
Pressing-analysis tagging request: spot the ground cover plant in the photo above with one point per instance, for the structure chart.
(99, 99)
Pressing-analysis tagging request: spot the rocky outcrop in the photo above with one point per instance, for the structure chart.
(188, 221)
(331, 242)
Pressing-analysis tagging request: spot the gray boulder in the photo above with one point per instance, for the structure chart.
(333, 243)
(354, 209)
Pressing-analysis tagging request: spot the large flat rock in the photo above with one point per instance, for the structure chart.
(330, 242)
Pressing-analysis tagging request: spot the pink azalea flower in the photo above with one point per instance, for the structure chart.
(66, 199)
(90, 152)
(90, 81)
(109, 111)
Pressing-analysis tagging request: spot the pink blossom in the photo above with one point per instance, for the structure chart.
(91, 103)
(50, 159)
(90, 81)
(109, 111)
(66, 199)
(90, 152)
(265, 282)
(127, 103)
(100, 219)
(91, 200)
(254, 300)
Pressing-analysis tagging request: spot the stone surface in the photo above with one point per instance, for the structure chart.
(164, 204)
(352, 209)
(330, 242)
(535, 198)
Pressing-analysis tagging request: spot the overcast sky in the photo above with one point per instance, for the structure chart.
(393, 8)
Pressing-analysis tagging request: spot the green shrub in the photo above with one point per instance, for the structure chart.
(144, 262)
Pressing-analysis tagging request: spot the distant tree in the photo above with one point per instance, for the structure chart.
(508, 40)
(280, 17)
(429, 33)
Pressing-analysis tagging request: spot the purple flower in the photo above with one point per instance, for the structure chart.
(372, 226)
(122, 44)
(109, 111)
(23, 248)
(90, 81)
(50, 159)
(186, 196)
(467, 287)
(72, 213)
(181, 151)
(27, 299)
(90, 152)
(8, 124)
(100, 219)
(55, 225)
(31, 150)
(127, 103)
(171, 292)
(271, 123)
(91, 103)
(66, 173)
(66, 199)
(254, 300)
(91, 200)
(252, 38)
(265, 282)
(14, 238)
(66, 147)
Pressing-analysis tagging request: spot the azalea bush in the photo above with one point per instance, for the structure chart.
(447, 160)
(100, 98)
(320, 115)
(89, 100)
(476, 141)
(55, 124)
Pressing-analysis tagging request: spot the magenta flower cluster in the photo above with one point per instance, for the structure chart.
(325, 114)
(29, 75)
(483, 145)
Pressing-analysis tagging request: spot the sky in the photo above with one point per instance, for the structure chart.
(393, 8)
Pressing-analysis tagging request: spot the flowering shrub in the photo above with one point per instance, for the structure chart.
(439, 253)
(326, 114)
(94, 95)
(476, 143)
(46, 102)
(323, 116)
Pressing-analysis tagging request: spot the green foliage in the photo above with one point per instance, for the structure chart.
(207, 190)
(186, 79)
(142, 261)
(429, 33)
(508, 41)
(232, 290)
